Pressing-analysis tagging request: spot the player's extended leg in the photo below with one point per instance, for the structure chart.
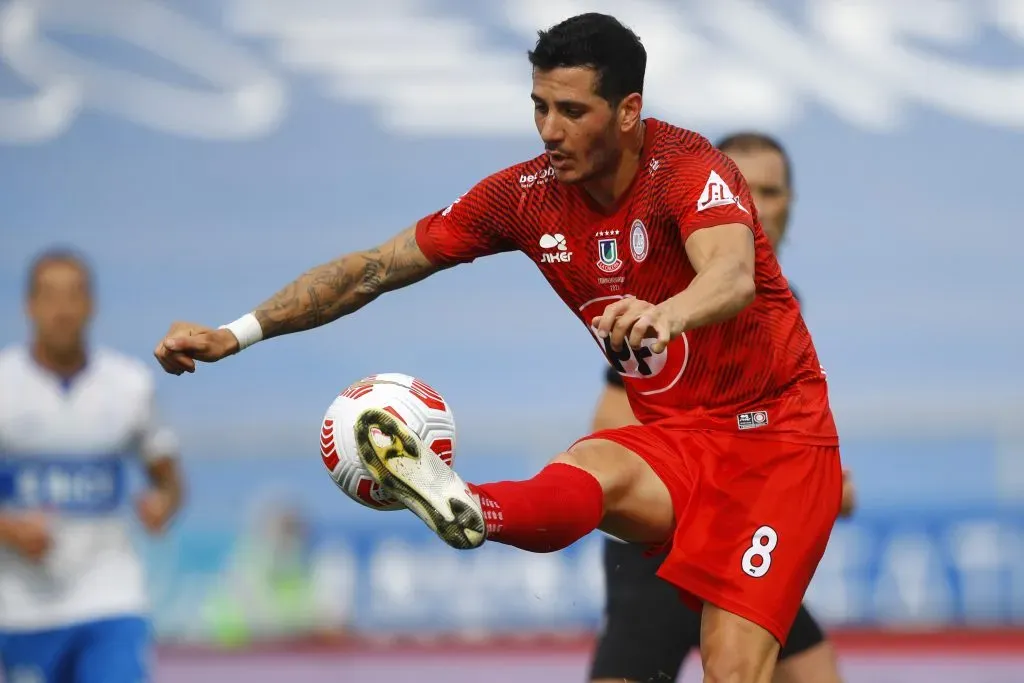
(601, 482)
(596, 482)
(417, 477)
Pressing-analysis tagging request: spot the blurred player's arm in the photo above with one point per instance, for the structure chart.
(26, 533)
(161, 502)
(337, 288)
(613, 408)
(159, 449)
(849, 501)
(723, 258)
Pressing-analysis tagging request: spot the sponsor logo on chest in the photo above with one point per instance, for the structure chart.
(557, 249)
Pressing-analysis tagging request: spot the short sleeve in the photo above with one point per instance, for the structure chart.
(708, 190)
(474, 225)
(155, 438)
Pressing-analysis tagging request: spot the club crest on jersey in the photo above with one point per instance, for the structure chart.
(638, 242)
(608, 251)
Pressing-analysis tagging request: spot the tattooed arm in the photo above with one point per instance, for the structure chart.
(475, 225)
(319, 296)
(327, 292)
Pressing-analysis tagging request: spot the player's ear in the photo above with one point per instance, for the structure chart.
(630, 111)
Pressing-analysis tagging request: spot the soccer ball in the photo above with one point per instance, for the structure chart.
(409, 399)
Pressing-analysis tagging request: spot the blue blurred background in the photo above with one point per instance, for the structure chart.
(205, 153)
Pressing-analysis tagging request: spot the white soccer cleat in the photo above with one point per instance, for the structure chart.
(417, 477)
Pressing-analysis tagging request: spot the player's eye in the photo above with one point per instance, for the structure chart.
(574, 112)
(540, 108)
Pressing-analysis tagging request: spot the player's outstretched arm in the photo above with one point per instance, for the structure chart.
(342, 286)
(318, 296)
(613, 410)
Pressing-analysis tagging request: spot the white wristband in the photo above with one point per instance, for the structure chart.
(247, 330)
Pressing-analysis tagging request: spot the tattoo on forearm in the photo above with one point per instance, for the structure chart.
(339, 287)
(407, 260)
(373, 270)
(314, 300)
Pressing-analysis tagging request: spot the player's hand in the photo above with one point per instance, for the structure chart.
(155, 509)
(631, 320)
(30, 536)
(849, 501)
(185, 343)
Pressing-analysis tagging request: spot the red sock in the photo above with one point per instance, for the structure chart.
(556, 508)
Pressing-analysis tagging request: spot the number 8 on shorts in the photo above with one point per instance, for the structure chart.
(761, 546)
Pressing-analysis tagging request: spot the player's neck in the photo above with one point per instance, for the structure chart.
(606, 190)
(62, 364)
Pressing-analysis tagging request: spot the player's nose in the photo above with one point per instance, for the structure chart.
(551, 133)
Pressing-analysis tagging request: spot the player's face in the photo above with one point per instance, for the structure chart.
(580, 129)
(59, 307)
(765, 173)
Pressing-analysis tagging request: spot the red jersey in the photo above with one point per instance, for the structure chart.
(756, 374)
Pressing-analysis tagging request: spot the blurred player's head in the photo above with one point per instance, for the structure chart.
(588, 81)
(765, 166)
(59, 303)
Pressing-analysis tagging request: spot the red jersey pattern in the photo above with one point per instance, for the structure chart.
(756, 374)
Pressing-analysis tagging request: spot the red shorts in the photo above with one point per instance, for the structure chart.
(753, 517)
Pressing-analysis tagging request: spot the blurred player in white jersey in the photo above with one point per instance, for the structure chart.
(72, 420)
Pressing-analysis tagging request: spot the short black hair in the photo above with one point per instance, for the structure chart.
(754, 141)
(65, 255)
(599, 42)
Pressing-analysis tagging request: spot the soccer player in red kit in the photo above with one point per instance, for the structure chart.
(649, 235)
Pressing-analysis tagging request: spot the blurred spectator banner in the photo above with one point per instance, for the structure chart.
(316, 562)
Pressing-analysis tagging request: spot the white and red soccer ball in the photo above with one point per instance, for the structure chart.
(412, 401)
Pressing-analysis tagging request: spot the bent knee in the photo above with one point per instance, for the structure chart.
(637, 503)
(621, 472)
(615, 467)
